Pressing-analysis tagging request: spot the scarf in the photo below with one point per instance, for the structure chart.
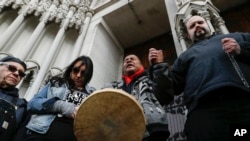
(128, 79)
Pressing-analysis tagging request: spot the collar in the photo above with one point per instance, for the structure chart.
(10, 91)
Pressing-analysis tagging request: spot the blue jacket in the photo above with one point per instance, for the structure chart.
(205, 67)
(42, 103)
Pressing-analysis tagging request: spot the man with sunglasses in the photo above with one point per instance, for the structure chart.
(12, 70)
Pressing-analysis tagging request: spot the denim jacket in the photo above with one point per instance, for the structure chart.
(42, 103)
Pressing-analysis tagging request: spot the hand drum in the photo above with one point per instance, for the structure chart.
(110, 115)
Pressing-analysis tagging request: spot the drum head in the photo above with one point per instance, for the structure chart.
(110, 115)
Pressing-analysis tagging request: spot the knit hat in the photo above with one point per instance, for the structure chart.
(13, 59)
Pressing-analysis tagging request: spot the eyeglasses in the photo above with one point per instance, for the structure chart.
(13, 68)
(77, 70)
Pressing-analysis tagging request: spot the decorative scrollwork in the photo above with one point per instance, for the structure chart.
(17, 3)
(78, 18)
(32, 6)
(27, 6)
(43, 6)
(62, 11)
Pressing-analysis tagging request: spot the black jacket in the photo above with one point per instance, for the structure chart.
(203, 68)
(20, 104)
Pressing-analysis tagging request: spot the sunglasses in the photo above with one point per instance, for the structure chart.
(77, 70)
(13, 68)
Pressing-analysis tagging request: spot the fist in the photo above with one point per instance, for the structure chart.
(155, 56)
(230, 46)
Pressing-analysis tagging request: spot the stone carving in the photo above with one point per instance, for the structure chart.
(27, 6)
(8, 2)
(180, 3)
(43, 6)
(62, 11)
(47, 9)
(17, 3)
(79, 16)
(53, 9)
(79, 7)
(32, 6)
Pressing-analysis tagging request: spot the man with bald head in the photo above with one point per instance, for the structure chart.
(216, 93)
(12, 71)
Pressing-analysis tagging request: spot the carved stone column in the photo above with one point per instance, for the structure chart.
(82, 35)
(181, 38)
(32, 71)
(46, 15)
(26, 9)
(172, 10)
(67, 10)
(219, 22)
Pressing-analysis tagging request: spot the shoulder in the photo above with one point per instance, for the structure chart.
(57, 82)
(90, 89)
(241, 36)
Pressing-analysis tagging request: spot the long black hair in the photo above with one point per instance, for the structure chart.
(66, 76)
